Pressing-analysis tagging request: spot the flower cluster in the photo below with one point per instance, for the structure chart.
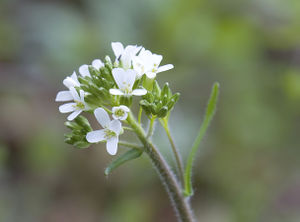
(106, 87)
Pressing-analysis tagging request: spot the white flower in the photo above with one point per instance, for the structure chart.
(84, 69)
(110, 133)
(148, 63)
(70, 81)
(125, 81)
(120, 112)
(75, 107)
(124, 55)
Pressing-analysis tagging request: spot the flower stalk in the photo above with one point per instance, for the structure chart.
(179, 164)
(180, 203)
(151, 126)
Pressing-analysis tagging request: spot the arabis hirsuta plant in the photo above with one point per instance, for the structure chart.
(107, 88)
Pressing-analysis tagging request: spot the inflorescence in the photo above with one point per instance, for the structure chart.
(107, 87)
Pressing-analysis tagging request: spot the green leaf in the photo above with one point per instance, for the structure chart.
(129, 155)
(210, 111)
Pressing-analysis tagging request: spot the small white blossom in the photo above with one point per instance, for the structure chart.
(124, 55)
(84, 69)
(125, 80)
(120, 112)
(110, 132)
(70, 81)
(75, 107)
(148, 63)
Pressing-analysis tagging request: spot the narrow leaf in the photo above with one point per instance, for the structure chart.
(210, 111)
(129, 155)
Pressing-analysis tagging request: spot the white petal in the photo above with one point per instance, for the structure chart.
(74, 94)
(139, 92)
(114, 109)
(117, 48)
(157, 59)
(119, 76)
(97, 64)
(125, 108)
(116, 92)
(69, 82)
(116, 126)
(81, 93)
(115, 117)
(138, 66)
(131, 50)
(130, 76)
(112, 145)
(102, 117)
(68, 107)
(63, 96)
(74, 76)
(151, 75)
(165, 68)
(124, 117)
(84, 70)
(74, 115)
(128, 54)
(95, 136)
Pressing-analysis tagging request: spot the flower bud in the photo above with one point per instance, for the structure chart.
(163, 112)
(108, 63)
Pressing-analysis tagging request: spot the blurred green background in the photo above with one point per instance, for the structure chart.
(248, 167)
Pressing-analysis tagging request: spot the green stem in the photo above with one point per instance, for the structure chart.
(164, 123)
(130, 145)
(140, 115)
(180, 203)
(127, 128)
(151, 126)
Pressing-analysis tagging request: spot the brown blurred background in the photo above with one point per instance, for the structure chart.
(248, 166)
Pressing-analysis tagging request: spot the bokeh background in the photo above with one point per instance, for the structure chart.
(248, 165)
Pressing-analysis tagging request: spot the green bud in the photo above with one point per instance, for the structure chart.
(175, 97)
(149, 97)
(72, 125)
(83, 80)
(153, 109)
(165, 90)
(163, 112)
(145, 103)
(156, 89)
(108, 63)
(84, 123)
(93, 71)
(165, 99)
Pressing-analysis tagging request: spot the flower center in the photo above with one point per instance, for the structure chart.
(119, 113)
(109, 134)
(79, 105)
(127, 89)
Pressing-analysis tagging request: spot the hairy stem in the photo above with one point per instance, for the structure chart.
(130, 145)
(180, 203)
(164, 123)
